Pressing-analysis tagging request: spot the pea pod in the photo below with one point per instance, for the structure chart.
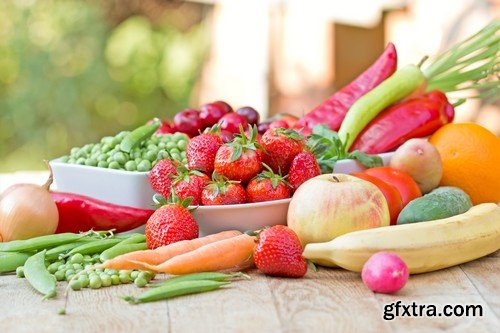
(10, 261)
(55, 252)
(174, 290)
(38, 276)
(396, 87)
(40, 243)
(133, 239)
(95, 247)
(138, 135)
(120, 249)
(212, 276)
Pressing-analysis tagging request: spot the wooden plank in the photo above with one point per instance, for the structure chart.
(331, 300)
(485, 276)
(23, 310)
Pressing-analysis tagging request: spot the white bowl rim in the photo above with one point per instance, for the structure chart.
(244, 205)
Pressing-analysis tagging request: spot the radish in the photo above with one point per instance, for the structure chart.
(385, 272)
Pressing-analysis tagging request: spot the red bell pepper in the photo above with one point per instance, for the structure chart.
(413, 118)
(78, 213)
(332, 111)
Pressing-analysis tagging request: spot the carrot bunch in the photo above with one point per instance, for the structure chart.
(227, 250)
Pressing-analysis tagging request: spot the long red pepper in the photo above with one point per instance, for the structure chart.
(413, 118)
(81, 213)
(332, 111)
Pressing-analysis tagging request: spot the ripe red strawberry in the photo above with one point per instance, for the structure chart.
(190, 183)
(240, 159)
(279, 253)
(281, 146)
(161, 176)
(304, 166)
(267, 186)
(222, 191)
(169, 224)
(201, 150)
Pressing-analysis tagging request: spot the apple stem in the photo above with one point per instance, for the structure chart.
(336, 179)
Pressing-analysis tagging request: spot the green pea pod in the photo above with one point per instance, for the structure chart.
(133, 239)
(39, 243)
(174, 290)
(212, 276)
(38, 276)
(120, 249)
(94, 247)
(55, 252)
(10, 261)
(138, 135)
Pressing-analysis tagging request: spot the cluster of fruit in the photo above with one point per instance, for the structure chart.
(250, 168)
(192, 122)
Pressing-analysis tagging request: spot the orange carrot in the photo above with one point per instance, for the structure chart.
(227, 254)
(137, 259)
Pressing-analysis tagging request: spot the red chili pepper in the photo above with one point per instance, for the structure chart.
(81, 213)
(413, 118)
(332, 111)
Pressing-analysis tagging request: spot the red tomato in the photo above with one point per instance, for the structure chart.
(390, 193)
(406, 186)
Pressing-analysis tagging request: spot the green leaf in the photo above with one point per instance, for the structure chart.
(370, 161)
(237, 151)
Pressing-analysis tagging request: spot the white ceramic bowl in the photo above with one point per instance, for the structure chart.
(132, 189)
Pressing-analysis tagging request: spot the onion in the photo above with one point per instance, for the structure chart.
(27, 210)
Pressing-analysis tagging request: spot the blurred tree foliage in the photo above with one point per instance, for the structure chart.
(69, 75)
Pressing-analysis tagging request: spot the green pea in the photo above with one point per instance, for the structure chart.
(114, 165)
(140, 282)
(182, 144)
(69, 272)
(95, 282)
(171, 145)
(81, 153)
(102, 157)
(112, 272)
(91, 162)
(134, 275)
(81, 161)
(115, 279)
(102, 164)
(74, 151)
(76, 258)
(124, 278)
(144, 165)
(121, 135)
(161, 145)
(77, 267)
(59, 275)
(20, 272)
(75, 284)
(99, 271)
(72, 160)
(64, 159)
(178, 136)
(120, 157)
(150, 155)
(138, 160)
(84, 279)
(105, 148)
(136, 153)
(146, 275)
(54, 267)
(130, 166)
(106, 280)
(62, 267)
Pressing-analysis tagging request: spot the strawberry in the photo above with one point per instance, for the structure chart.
(190, 183)
(281, 146)
(169, 224)
(240, 159)
(304, 166)
(160, 176)
(267, 186)
(201, 150)
(279, 253)
(221, 191)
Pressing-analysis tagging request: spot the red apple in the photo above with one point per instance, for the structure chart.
(330, 205)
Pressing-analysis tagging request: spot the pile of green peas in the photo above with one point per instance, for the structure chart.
(65, 269)
(108, 154)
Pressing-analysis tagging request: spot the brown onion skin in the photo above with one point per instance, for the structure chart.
(27, 211)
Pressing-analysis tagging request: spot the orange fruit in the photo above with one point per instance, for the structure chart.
(471, 160)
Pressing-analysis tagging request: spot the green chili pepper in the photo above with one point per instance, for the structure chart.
(38, 276)
(10, 261)
(176, 289)
(138, 135)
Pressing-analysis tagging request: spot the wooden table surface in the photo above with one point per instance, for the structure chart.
(330, 300)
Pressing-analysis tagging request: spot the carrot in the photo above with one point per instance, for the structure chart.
(227, 254)
(137, 259)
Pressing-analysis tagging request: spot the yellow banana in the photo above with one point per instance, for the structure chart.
(424, 246)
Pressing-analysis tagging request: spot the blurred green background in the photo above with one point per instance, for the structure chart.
(74, 71)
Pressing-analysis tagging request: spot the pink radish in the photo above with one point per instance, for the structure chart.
(385, 273)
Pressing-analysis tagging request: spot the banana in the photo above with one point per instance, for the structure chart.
(424, 246)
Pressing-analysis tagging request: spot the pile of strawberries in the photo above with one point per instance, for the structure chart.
(250, 168)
